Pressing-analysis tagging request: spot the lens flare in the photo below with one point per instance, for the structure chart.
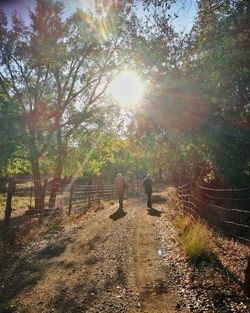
(127, 88)
(159, 251)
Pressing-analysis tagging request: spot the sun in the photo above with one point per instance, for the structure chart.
(126, 88)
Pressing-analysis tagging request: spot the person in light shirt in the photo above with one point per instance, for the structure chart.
(120, 186)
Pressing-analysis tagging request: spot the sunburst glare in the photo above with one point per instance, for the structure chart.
(127, 88)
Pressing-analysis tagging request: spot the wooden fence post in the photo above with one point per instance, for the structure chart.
(8, 209)
(71, 198)
(247, 278)
(31, 192)
(44, 192)
(43, 195)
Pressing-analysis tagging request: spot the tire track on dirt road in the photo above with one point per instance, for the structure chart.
(148, 275)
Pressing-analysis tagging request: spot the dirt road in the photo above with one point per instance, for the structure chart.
(109, 262)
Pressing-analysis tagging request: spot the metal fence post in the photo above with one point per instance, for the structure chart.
(102, 196)
(98, 193)
(43, 195)
(89, 197)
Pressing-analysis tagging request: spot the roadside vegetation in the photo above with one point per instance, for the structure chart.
(195, 239)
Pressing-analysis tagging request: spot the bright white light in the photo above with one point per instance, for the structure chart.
(126, 88)
(159, 252)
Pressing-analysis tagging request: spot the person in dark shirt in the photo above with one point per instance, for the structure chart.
(148, 187)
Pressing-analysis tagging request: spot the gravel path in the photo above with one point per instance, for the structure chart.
(116, 261)
(111, 261)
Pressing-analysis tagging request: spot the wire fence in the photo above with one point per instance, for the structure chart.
(226, 210)
(18, 196)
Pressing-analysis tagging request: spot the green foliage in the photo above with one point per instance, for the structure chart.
(63, 67)
(222, 71)
(233, 163)
(108, 153)
(16, 166)
(202, 105)
(222, 60)
(11, 138)
(193, 124)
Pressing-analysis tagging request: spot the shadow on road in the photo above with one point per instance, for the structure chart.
(158, 199)
(117, 214)
(154, 212)
(54, 250)
(28, 271)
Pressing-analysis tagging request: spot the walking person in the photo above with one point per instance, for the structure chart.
(120, 186)
(148, 187)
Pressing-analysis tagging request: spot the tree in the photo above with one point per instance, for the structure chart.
(218, 60)
(202, 103)
(56, 71)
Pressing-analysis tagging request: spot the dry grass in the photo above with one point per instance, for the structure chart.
(30, 228)
(195, 237)
(21, 200)
(196, 240)
(173, 199)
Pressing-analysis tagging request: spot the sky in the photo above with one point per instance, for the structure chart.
(185, 9)
(21, 6)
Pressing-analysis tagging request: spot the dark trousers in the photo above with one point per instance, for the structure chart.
(121, 197)
(149, 202)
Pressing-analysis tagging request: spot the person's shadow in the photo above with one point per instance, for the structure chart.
(154, 212)
(119, 213)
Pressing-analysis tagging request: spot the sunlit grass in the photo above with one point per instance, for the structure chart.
(195, 239)
(19, 205)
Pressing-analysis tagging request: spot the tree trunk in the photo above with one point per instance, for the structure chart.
(58, 172)
(55, 184)
(38, 190)
(71, 198)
